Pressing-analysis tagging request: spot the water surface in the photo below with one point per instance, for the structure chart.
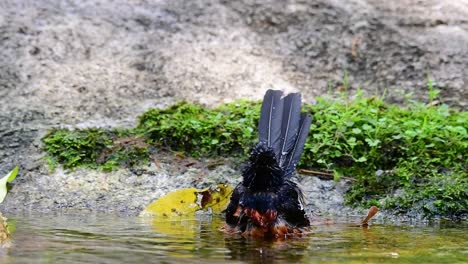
(91, 238)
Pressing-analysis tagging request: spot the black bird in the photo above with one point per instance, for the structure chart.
(267, 203)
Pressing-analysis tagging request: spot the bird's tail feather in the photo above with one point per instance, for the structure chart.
(295, 154)
(290, 124)
(283, 128)
(271, 115)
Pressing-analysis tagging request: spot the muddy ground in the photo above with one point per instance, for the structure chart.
(82, 63)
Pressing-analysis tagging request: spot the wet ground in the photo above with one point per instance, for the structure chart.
(90, 238)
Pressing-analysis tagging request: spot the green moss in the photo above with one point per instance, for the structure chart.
(418, 151)
(200, 131)
(94, 148)
(74, 148)
(402, 157)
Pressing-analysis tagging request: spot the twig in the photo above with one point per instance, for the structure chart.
(323, 175)
(372, 211)
(312, 172)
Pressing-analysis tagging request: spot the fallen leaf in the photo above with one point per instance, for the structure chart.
(3, 182)
(186, 202)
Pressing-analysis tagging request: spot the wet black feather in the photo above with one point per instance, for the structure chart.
(271, 115)
(290, 124)
(296, 152)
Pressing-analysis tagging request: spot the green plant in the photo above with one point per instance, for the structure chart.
(3, 183)
(200, 131)
(390, 148)
(94, 148)
(432, 92)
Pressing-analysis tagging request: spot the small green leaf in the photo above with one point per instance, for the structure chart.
(366, 127)
(317, 136)
(3, 181)
(410, 133)
(351, 141)
(362, 159)
(12, 175)
(356, 131)
(372, 142)
(336, 175)
(349, 123)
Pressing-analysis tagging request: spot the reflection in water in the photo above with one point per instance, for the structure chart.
(78, 238)
(261, 251)
(195, 238)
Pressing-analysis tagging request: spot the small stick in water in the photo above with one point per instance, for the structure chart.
(372, 211)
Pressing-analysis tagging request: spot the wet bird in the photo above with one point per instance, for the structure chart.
(267, 203)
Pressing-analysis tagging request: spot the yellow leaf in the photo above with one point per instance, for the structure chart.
(185, 202)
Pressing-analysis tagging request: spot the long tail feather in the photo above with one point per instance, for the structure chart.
(271, 115)
(290, 124)
(296, 152)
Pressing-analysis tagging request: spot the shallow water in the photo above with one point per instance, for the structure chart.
(90, 238)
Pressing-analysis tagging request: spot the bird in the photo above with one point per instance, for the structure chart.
(267, 203)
